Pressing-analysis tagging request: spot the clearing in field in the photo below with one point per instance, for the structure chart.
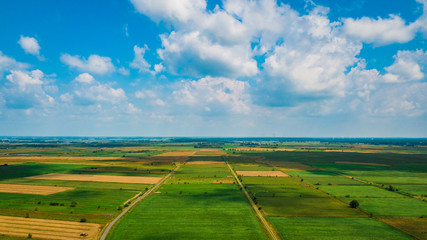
(362, 163)
(262, 173)
(32, 189)
(47, 229)
(204, 162)
(98, 178)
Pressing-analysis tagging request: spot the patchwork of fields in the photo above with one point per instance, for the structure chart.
(74, 192)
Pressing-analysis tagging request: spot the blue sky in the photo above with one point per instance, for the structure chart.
(325, 68)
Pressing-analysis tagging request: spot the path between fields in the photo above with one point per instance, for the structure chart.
(145, 195)
(268, 227)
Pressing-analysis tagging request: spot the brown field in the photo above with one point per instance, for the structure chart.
(204, 162)
(176, 154)
(262, 173)
(47, 229)
(362, 163)
(98, 178)
(32, 189)
(414, 226)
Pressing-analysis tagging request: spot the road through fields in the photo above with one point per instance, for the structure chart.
(145, 195)
(268, 227)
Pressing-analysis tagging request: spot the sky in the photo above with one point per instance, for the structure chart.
(230, 68)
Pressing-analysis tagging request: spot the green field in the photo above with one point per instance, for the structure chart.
(204, 201)
(334, 228)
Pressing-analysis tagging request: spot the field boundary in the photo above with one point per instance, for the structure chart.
(270, 229)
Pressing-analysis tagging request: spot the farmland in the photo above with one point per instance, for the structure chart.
(302, 189)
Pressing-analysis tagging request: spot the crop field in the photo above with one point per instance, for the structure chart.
(262, 173)
(98, 178)
(192, 211)
(60, 189)
(326, 228)
(47, 229)
(32, 189)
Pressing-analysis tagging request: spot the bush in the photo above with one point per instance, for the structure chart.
(83, 220)
(30, 235)
(354, 204)
(73, 204)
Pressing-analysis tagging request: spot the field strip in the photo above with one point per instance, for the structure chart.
(262, 173)
(362, 163)
(47, 229)
(204, 162)
(32, 189)
(267, 225)
(145, 195)
(98, 178)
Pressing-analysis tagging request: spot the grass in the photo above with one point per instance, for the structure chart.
(200, 189)
(284, 191)
(358, 191)
(32, 169)
(197, 216)
(306, 207)
(417, 190)
(334, 180)
(415, 226)
(334, 228)
(400, 207)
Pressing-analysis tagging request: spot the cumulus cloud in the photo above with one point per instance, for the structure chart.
(25, 90)
(139, 61)
(213, 94)
(196, 55)
(94, 64)
(170, 10)
(8, 63)
(88, 91)
(380, 31)
(407, 66)
(30, 45)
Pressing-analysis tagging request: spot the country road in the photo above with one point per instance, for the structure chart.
(146, 194)
(268, 227)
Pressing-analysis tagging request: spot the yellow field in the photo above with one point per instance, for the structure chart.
(47, 229)
(32, 189)
(98, 178)
(204, 162)
(262, 174)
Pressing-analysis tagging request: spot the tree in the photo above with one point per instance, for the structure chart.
(354, 204)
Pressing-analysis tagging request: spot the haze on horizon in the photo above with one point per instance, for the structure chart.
(230, 68)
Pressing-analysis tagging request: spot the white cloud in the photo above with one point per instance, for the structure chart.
(30, 45)
(94, 64)
(195, 54)
(139, 62)
(407, 66)
(219, 94)
(8, 63)
(88, 91)
(25, 90)
(380, 31)
(170, 10)
(408, 100)
(124, 71)
(159, 68)
(84, 78)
